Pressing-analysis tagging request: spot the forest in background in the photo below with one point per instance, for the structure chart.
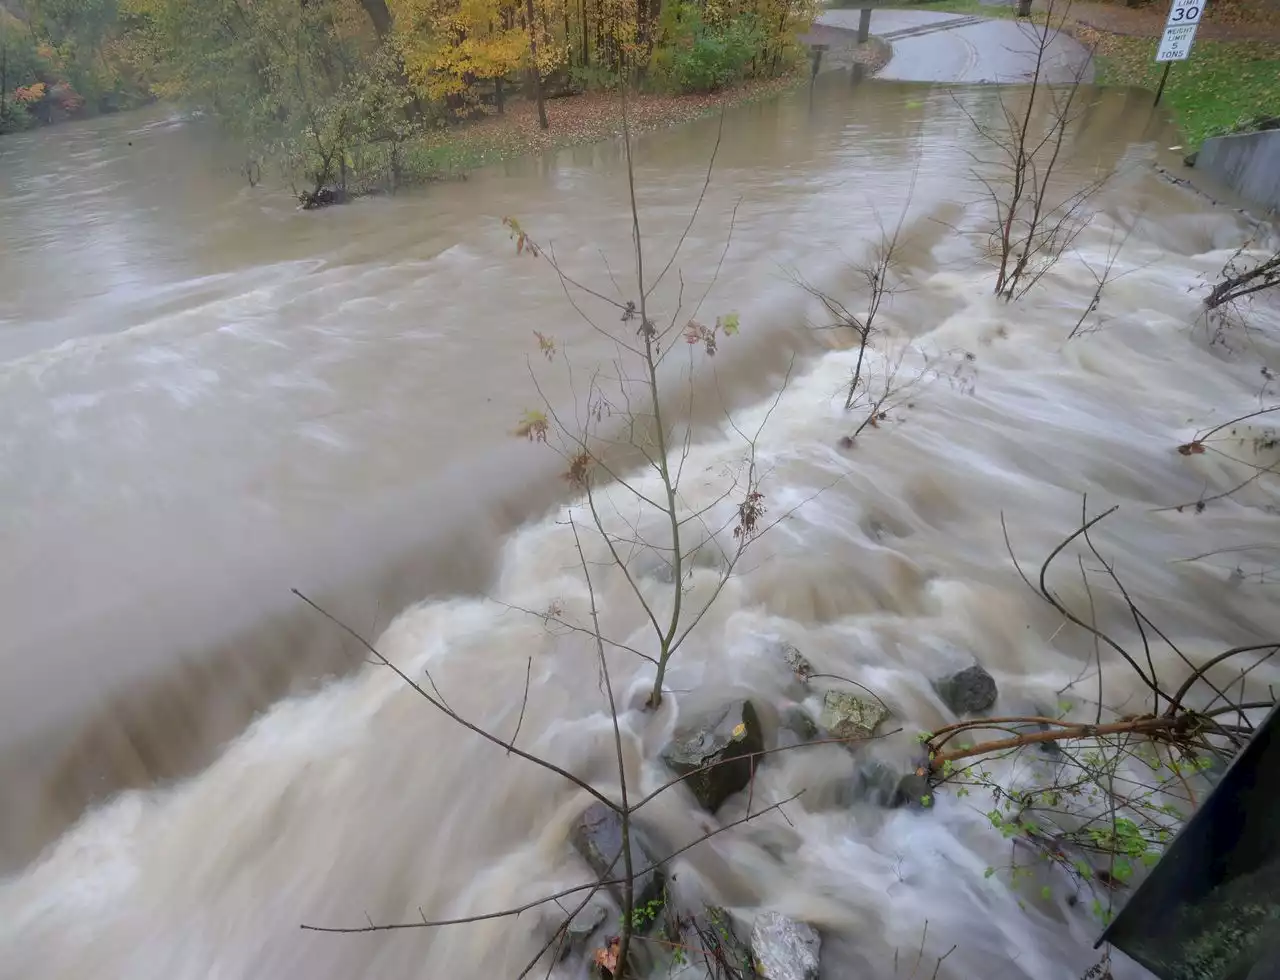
(338, 90)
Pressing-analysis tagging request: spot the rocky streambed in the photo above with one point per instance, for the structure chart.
(712, 759)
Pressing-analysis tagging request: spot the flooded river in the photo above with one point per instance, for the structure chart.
(210, 398)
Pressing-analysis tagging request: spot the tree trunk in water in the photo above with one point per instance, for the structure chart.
(534, 75)
(498, 95)
(379, 15)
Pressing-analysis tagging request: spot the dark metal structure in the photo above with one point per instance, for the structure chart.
(1210, 910)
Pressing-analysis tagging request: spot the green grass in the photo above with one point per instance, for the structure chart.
(425, 159)
(1008, 10)
(1222, 84)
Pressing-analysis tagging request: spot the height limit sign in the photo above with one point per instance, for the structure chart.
(1180, 30)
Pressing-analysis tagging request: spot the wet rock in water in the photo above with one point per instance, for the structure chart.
(876, 783)
(784, 949)
(913, 790)
(885, 786)
(847, 715)
(581, 928)
(967, 691)
(797, 662)
(728, 739)
(1046, 748)
(795, 727)
(597, 836)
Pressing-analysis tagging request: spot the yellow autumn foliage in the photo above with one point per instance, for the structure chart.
(448, 44)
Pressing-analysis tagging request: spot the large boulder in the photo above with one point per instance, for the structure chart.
(784, 949)
(967, 691)
(597, 836)
(724, 742)
(847, 715)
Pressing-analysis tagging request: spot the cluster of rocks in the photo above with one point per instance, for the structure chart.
(717, 756)
(778, 948)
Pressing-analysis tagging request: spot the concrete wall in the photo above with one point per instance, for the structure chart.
(1249, 164)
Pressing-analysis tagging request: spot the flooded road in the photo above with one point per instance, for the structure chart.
(210, 398)
(962, 49)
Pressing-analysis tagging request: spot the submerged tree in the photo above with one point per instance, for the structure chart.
(628, 427)
(623, 416)
(1035, 214)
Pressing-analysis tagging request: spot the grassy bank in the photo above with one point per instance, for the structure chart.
(1223, 83)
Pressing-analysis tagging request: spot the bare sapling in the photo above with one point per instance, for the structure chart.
(1035, 219)
(620, 439)
(888, 372)
(1095, 787)
(621, 415)
(1091, 319)
(894, 378)
(879, 278)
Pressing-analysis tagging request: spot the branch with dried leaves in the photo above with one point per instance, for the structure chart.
(623, 413)
(880, 277)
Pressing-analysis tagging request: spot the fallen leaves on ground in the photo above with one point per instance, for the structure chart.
(607, 958)
(1225, 20)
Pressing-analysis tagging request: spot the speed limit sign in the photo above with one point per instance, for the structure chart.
(1185, 12)
(1180, 30)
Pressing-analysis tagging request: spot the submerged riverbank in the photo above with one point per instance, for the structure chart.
(591, 117)
(574, 120)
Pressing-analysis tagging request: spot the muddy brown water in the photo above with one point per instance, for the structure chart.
(210, 398)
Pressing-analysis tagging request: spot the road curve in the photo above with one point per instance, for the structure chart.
(937, 47)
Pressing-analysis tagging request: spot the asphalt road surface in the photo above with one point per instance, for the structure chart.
(938, 47)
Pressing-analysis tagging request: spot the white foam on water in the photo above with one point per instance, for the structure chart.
(889, 563)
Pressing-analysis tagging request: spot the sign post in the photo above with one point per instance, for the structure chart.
(1179, 33)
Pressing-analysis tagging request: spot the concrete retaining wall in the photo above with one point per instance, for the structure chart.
(1249, 164)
